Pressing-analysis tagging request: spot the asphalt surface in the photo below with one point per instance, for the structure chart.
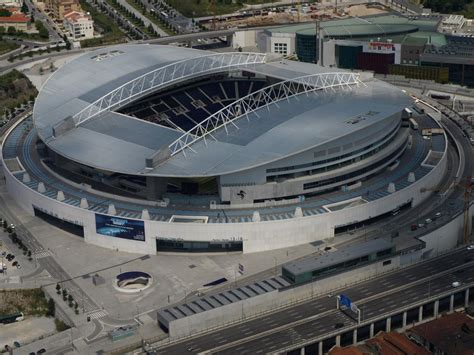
(397, 288)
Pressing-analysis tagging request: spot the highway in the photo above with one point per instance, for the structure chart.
(317, 316)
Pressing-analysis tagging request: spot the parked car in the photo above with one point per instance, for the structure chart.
(470, 247)
(456, 284)
(338, 325)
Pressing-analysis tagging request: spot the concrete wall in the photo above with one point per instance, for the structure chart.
(244, 39)
(437, 242)
(256, 236)
(272, 300)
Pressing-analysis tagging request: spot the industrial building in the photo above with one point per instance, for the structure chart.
(384, 44)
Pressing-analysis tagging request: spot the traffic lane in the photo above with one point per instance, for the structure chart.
(291, 336)
(313, 307)
(416, 293)
(250, 328)
(405, 276)
(320, 327)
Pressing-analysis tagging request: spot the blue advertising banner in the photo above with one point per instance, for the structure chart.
(120, 227)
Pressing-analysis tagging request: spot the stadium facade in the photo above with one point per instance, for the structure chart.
(155, 148)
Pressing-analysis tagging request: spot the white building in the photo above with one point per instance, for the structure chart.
(79, 25)
(11, 3)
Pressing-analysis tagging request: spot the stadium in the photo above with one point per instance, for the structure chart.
(148, 148)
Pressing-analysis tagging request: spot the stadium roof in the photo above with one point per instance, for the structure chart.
(116, 142)
(380, 25)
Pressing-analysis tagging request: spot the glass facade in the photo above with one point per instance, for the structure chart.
(462, 74)
(318, 273)
(306, 48)
(197, 246)
(317, 166)
(318, 183)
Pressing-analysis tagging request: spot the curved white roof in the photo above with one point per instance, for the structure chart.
(116, 142)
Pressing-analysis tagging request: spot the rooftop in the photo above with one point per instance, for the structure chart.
(257, 142)
(380, 25)
(15, 18)
(394, 343)
(75, 16)
(452, 333)
(333, 258)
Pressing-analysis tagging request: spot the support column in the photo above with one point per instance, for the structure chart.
(420, 314)
(389, 325)
(371, 332)
(404, 323)
(338, 340)
(320, 347)
(451, 303)
(354, 337)
(302, 351)
(436, 308)
(466, 298)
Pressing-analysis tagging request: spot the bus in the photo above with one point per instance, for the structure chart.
(413, 124)
(12, 318)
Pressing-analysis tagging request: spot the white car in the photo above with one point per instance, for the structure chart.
(456, 284)
(470, 247)
(428, 221)
(438, 214)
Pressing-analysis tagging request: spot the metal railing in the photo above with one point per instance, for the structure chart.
(262, 98)
(162, 76)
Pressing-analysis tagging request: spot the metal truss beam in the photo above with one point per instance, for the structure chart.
(152, 80)
(265, 97)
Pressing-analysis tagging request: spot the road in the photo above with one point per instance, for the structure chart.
(39, 15)
(317, 316)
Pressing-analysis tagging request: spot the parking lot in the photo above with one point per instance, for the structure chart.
(26, 331)
(14, 263)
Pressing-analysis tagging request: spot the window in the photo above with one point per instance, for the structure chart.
(386, 262)
(280, 48)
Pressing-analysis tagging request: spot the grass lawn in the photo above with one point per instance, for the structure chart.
(30, 302)
(15, 89)
(6, 47)
(150, 17)
(112, 33)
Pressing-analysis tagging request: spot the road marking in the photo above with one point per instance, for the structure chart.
(97, 314)
(41, 254)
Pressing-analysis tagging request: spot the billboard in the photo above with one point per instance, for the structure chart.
(120, 227)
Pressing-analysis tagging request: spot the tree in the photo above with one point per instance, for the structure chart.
(24, 8)
(5, 13)
(51, 308)
(58, 289)
(43, 32)
(64, 294)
